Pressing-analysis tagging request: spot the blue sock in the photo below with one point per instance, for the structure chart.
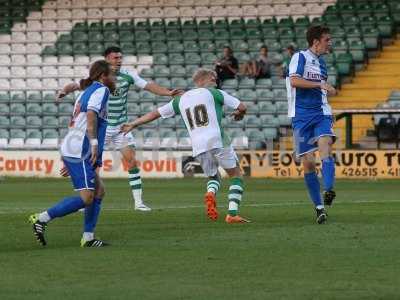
(91, 215)
(65, 207)
(313, 187)
(328, 173)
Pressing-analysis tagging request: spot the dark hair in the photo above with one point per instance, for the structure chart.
(315, 33)
(264, 47)
(112, 49)
(228, 47)
(97, 69)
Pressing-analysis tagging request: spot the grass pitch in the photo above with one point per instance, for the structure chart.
(174, 252)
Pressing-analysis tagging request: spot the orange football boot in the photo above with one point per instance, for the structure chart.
(235, 219)
(211, 206)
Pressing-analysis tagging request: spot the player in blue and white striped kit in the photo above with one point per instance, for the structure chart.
(312, 119)
(81, 152)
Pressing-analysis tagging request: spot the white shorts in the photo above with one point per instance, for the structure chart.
(225, 158)
(117, 140)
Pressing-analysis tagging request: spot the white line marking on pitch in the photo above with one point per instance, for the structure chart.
(31, 209)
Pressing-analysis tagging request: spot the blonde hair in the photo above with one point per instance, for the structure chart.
(203, 73)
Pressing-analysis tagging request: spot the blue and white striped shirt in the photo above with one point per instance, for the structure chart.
(303, 103)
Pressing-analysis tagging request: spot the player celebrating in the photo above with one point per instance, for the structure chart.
(81, 151)
(312, 119)
(201, 109)
(117, 115)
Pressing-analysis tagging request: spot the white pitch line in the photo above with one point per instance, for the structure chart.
(284, 204)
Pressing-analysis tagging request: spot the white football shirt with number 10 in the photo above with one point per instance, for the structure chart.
(202, 110)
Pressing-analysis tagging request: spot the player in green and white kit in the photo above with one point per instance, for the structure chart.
(202, 110)
(117, 115)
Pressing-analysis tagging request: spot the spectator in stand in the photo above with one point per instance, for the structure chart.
(290, 50)
(228, 66)
(259, 67)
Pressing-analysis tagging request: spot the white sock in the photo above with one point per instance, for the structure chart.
(319, 207)
(137, 195)
(233, 205)
(88, 236)
(44, 217)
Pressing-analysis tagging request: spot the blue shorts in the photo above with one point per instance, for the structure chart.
(307, 131)
(82, 173)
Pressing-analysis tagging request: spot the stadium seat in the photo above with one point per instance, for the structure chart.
(149, 72)
(247, 83)
(247, 95)
(168, 139)
(146, 108)
(50, 138)
(282, 107)
(133, 109)
(50, 109)
(344, 64)
(64, 121)
(230, 84)
(270, 133)
(269, 120)
(4, 121)
(50, 122)
(160, 59)
(178, 83)
(180, 123)
(65, 109)
(206, 46)
(252, 122)
(4, 109)
(4, 97)
(192, 58)
(266, 108)
(208, 58)
(283, 119)
(17, 138)
(167, 123)
(33, 138)
(146, 96)
(178, 71)
(163, 82)
(358, 51)
(159, 71)
(176, 59)
(387, 130)
(17, 122)
(17, 109)
(279, 95)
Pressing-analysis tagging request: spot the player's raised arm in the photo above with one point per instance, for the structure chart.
(153, 87)
(147, 118)
(166, 111)
(67, 89)
(162, 91)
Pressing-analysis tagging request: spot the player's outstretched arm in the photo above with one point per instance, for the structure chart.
(147, 118)
(67, 89)
(162, 91)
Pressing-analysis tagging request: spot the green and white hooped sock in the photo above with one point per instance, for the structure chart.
(135, 181)
(235, 195)
(213, 186)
